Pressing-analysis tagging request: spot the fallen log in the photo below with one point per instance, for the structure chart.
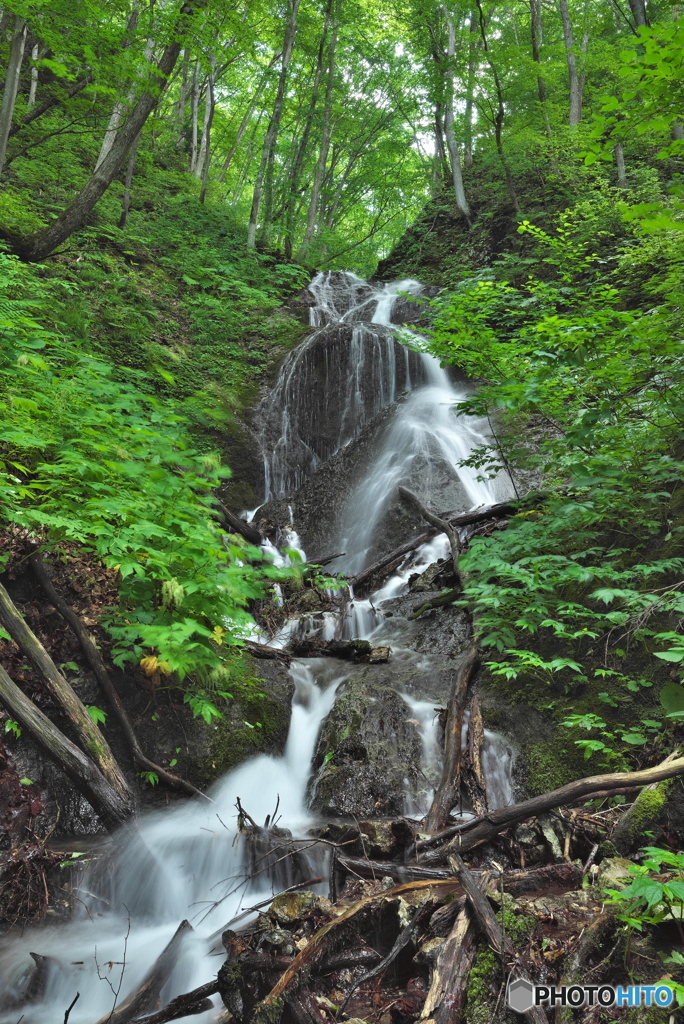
(145, 998)
(442, 525)
(185, 1005)
(106, 685)
(491, 927)
(446, 998)
(480, 830)
(266, 653)
(90, 738)
(500, 510)
(107, 802)
(517, 883)
(449, 787)
(347, 650)
(476, 784)
(237, 525)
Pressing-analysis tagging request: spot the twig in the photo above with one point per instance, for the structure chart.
(68, 1012)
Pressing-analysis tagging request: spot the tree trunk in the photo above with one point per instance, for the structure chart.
(182, 100)
(536, 36)
(446, 998)
(209, 104)
(443, 525)
(105, 801)
(638, 9)
(449, 787)
(453, 147)
(74, 217)
(121, 103)
(9, 96)
(245, 122)
(470, 89)
(34, 77)
(126, 201)
(575, 115)
(619, 155)
(319, 173)
(268, 152)
(69, 702)
(194, 117)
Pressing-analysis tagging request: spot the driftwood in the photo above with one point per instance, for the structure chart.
(518, 883)
(443, 525)
(86, 777)
(445, 1001)
(472, 833)
(90, 738)
(449, 787)
(347, 650)
(474, 772)
(403, 549)
(237, 525)
(145, 998)
(266, 653)
(410, 872)
(186, 1005)
(106, 685)
(491, 927)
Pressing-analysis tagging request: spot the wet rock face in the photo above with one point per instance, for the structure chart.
(376, 750)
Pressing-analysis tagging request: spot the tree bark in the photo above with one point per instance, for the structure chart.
(74, 217)
(574, 80)
(440, 524)
(33, 88)
(103, 798)
(449, 787)
(108, 689)
(453, 147)
(209, 104)
(194, 116)
(9, 96)
(321, 163)
(619, 155)
(89, 735)
(268, 152)
(638, 9)
(491, 927)
(446, 998)
(182, 100)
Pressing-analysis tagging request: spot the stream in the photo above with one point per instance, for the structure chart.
(189, 862)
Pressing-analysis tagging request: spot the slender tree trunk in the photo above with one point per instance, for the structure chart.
(182, 100)
(194, 116)
(121, 103)
(45, 241)
(9, 96)
(619, 155)
(244, 123)
(206, 156)
(440, 146)
(500, 113)
(105, 801)
(575, 115)
(48, 104)
(209, 103)
(536, 36)
(453, 147)
(301, 150)
(268, 153)
(638, 9)
(126, 201)
(326, 135)
(470, 89)
(34, 77)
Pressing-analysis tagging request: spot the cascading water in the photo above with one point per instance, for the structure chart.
(189, 862)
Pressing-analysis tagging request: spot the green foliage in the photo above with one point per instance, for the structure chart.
(87, 455)
(652, 898)
(599, 561)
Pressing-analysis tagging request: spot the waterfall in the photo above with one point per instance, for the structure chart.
(189, 862)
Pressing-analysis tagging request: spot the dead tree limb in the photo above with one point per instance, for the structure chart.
(474, 776)
(237, 525)
(445, 1001)
(402, 940)
(103, 798)
(266, 653)
(106, 685)
(185, 1005)
(399, 552)
(481, 830)
(450, 784)
(487, 920)
(89, 736)
(443, 525)
(145, 997)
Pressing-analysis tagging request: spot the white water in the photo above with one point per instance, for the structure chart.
(188, 862)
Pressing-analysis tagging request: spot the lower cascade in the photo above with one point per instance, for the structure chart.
(361, 391)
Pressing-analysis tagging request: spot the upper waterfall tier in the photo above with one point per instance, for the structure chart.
(348, 370)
